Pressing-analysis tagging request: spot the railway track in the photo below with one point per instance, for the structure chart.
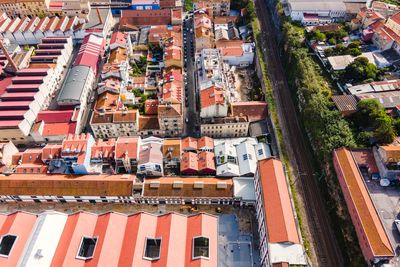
(300, 156)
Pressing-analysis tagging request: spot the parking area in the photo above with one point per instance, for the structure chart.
(387, 203)
(237, 248)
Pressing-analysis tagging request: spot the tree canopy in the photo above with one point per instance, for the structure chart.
(360, 69)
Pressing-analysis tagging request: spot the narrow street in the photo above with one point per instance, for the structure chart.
(190, 108)
(300, 155)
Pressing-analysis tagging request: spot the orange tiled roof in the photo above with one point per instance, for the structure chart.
(353, 185)
(212, 95)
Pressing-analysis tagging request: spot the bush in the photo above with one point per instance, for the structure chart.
(332, 41)
(355, 52)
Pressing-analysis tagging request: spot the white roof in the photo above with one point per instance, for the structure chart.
(42, 243)
(361, 89)
(247, 158)
(316, 5)
(262, 151)
(228, 170)
(294, 254)
(243, 187)
(341, 62)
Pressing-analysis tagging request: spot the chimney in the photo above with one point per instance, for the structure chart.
(98, 15)
(10, 60)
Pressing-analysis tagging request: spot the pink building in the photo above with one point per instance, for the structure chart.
(110, 239)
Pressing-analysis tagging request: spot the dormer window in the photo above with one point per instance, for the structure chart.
(201, 248)
(6, 244)
(152, 249)
(86, 248)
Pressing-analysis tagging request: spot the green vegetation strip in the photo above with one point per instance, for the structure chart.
(255, 24)
(325, 128)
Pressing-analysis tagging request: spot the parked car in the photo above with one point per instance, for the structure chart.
(397, 223)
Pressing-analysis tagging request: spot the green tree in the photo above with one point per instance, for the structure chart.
(355, 52)
(332, 41)
(319, 36)
(360, 69)
(384, 133)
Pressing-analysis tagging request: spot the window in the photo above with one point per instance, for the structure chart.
(86, 249)
(201, 247)
(245, 157)
(152, 249)
(6, 244)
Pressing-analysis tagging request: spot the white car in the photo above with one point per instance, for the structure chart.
(186, 120)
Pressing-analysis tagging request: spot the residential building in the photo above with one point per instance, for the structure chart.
(385, 9)
(203, 31)
(145, 4)
(314, 12)
(225, 127)
(218, 7)
(210, 69)
(236, 52)
(126, 154)
(374, 242)
(149, 126)
(100, 22)
(253, 110)
(150, 161)
(76, 154)
(203, 143)
(7, 150)
(201, 163)
(171, 152)
(213, 102)
(31, 162)
(243, 189)
(136, 18)
(279, 234)
(226, 159)
(103, 153)
(170, 119)
(109, 239)
(112, 124)
(247, 158)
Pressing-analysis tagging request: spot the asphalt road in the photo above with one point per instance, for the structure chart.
(300, 156)
(190, 108)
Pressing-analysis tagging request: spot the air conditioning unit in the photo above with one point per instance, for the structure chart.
(198, 185)
(154, 184)
(177, 184)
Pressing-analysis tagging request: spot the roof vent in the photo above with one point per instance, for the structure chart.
(198, 185)
(154, 184)
(177, 184)
(222, 185)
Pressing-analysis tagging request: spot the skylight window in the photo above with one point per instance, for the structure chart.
(6, 244)
(152, 249)
(86, 249)
(201, 247)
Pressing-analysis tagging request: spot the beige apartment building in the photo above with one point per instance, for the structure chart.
(225, 127)
(114, 124)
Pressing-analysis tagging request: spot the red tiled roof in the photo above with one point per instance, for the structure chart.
(254, 110)
(103, 149)
(63, 128)
(210, 96)
(126, 147)
(363, 210)
(54, 116)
